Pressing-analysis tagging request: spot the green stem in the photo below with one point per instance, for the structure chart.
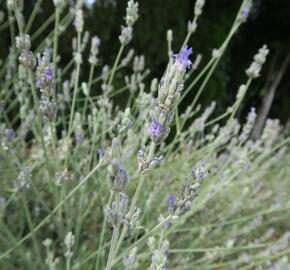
(36, 106)
(92, 68)
(102, 236)
(131, 211)
(33, 15)
(55, 36)
(115, 66)
(114, 237)
(75, 89)
(31, 227)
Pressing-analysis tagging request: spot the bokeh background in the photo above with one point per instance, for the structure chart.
(268, 24)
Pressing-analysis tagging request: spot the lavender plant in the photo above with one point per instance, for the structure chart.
(89, 184)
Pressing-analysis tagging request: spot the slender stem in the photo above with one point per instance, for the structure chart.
(114, 236)
(239, 102)
(42, 27)
(36, 106)
(92, 68)
(55, 36)
(33, 15)
(68, 263)
(189, 34)
(12, 28)
(112, 247)
(132, 207)
(115, 66)
(53, 142)
(75, 88)
(102, 236)
(142, 239)
(34, 240)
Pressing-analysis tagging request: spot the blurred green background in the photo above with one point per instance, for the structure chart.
(268, 24)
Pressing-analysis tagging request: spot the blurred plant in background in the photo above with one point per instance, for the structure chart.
(104, 166)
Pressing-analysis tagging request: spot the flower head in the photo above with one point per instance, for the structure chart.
(49, 74)
(155, 128)
(181, 58)
(171, 203)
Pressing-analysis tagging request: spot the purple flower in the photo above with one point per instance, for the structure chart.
(39, 82)
(181, 59)
(171, 202)
(11, 134)
(155, 128)
(245, 13)
(49, 73)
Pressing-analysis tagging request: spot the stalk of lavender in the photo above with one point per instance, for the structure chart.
(79, 25)
(241, 18)
(27, 59)
(192, 25)
(59, 5)
(126, 35)
(93, 60)
(252, 72)
(162, 115)
(117, 180)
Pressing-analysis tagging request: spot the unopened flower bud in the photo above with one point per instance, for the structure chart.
(27, 59)
(79, 21)
(14, 4)
(23, 42)
(126, 35)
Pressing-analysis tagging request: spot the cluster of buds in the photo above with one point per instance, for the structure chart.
(45, 81)
(23, 180)
(169, 92)
(79, 134)
(248, 127)
(116, 213)
(270, 133)
(79, 20)
(6, 137)
(159, 257)
(145, 163)
(192, 25)
(95, 44)
(131, 17)
(117, 178)
(179, 206)
(60, 4)
(139, 63)
(50, 260)
(130, 261)
(135, 80)
(61, 177)
(45, 75)
(199, 123)
(198, 7)
(131, 219)
(125, 122)
(245, 12)
(69, 241)
(259, 59)
(23, 44)
(14, 4)
(126, 60)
